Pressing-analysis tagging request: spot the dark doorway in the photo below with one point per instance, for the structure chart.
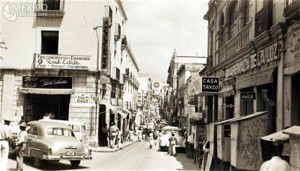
(38, 105)
(102, 136)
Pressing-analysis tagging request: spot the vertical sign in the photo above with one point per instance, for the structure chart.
(105, 43)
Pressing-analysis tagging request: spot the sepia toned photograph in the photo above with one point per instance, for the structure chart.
(150, 85)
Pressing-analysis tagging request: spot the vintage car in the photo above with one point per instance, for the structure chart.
(78, 128)
(166, 134)
(54, 141)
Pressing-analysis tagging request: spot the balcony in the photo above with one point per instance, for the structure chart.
(263, 19)
(115, 77)
(50, 8)
(291, 9)
(234, 45)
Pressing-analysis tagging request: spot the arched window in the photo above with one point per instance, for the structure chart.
(246, 12)
(233, 19)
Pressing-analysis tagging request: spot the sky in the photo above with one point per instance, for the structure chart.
(155, 28)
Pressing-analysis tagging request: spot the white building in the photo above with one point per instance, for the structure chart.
(63, 59)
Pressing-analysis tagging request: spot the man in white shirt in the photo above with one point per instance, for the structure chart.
(275, 163)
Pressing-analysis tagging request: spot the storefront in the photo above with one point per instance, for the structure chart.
(46, 96)
(291, 78)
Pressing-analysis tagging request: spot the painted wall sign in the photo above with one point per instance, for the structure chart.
(47, 82)
(210, 84)
(67, 62)
(247, 95)
(262, 57)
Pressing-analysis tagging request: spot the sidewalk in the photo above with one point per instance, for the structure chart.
(108, 150)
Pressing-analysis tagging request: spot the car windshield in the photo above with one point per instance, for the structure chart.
(60, 132)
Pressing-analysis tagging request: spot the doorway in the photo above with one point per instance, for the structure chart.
(38, 105)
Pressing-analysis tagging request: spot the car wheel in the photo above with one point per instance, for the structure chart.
(75, 163)
(37, 162)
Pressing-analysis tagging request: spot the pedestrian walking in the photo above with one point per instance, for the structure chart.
(172, 145)
(113, 133)
(150, 140)
(5, 138)
(20, 146)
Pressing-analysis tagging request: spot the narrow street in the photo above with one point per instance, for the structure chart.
(135, 157)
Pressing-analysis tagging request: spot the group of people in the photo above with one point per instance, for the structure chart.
(7, 140)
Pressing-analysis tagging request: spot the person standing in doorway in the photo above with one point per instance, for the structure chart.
(5, 138)
(20, 146)
(113, 133)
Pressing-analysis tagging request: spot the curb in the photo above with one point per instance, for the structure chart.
(109, 150)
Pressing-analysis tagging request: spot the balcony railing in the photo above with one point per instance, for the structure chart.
(291, 8)
(50, 8)
(234, 45)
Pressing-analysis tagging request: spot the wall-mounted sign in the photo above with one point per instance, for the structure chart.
(156, 84)
(67, 62)
(262, 57)
(82, 99)
(210, 84)
(247, 95)
(47, 82)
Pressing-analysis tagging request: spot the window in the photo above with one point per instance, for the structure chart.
(49, 42)
(222, 31)
(233, 20)
(33, 130)
(52, 4)
(246, 12)
(60, 132)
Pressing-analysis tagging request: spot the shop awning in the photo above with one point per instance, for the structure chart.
(227, 91)
(258, 78)
(108, 105)
(292, 69)
(45, 91)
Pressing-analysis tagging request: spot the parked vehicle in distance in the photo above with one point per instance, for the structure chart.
(77, 127)
(54, 141)
(166, 134)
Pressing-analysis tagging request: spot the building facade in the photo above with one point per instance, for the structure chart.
(63, 62)
(248, 51)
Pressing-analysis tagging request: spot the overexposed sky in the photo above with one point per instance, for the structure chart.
(156, 27)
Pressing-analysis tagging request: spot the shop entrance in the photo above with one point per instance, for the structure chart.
(102, 128)
(295, 101)
(38, 105)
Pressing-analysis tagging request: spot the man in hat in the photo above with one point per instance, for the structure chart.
(5, 137)
(21, 145)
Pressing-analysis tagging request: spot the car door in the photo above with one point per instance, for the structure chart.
(32, 134)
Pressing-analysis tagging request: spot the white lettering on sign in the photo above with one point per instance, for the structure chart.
(262, 57)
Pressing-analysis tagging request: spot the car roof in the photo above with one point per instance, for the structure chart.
(46, 124)
(62, 121)
(170, 128)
